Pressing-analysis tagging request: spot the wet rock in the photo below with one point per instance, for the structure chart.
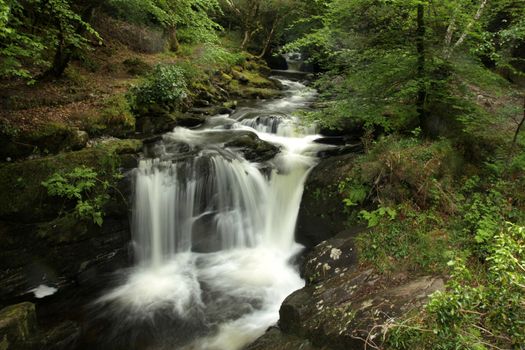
(17, 326)
(224, 110)
(190, 120)
(276, 61)
(330, 258)
(63, 336)
(344, 310)
(274, 339)
(322, 214)
(341, 150)
(253, 148)
(148, 124)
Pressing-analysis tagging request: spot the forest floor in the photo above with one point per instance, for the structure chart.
(106, 71)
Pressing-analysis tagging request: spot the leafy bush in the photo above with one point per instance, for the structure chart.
(403, 238)
(398, 170)
(84, 187)
(216, 56)
(481, 309)
(162, 91)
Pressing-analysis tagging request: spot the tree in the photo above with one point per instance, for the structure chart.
(16, 46)
(394, 62)
(30, 29)
(70, 33)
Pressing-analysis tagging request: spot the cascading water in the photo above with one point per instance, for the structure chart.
(213, 232)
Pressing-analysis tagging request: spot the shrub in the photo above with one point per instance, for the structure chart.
(482, 308)
(403, 238)
(395, 171)
(162, 91)
(84, 187)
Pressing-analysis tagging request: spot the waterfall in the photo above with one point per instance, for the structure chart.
(214, 233)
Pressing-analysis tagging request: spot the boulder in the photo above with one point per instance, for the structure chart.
(352, 308)
(344, 304)
(274, 339)
(322, 214)
(18, 327)
(253, 148)
(39, 246)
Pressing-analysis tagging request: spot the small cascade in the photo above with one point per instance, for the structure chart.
(294, 60)
(214, 233)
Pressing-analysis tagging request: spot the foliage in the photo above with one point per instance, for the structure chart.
(396, 170)
(83, 186)
(391, 67)
(215, 56)
(59, 30)
(403, 238)
(480, 309)
(165, 88)
(191, 18)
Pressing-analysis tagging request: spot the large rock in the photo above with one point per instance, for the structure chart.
(274, 339)
(17, 326)
(343, 304)
(22, 196)
(253, 148)
(322, 214)
(41, 247)
(345, 310)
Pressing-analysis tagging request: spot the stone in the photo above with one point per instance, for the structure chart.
(322, 213)
(63, 336)
(18, 327)
(353, 306)
(274, 339)
(253, 148)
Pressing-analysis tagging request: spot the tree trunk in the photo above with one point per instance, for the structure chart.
(246, 39)
(61, 58)
(420, 46)
(63, 51)
(520, 125)
(173, 40)
(268, 39)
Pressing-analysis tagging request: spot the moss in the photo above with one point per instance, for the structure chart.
(66, 228)
(17, 326)
(237, 90)
(136, 66)
(114, 118)
(23, 198)
(52, 138)
(257, 80)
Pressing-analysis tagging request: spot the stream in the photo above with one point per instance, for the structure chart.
(213, 233)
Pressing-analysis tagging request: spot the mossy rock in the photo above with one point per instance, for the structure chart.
(112, 118)
(250, 92)
(22, 197)
(136, 66)
(253, 148)
(18, 326)
(49, 138)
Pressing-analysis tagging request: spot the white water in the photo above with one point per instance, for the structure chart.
(239, 216)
